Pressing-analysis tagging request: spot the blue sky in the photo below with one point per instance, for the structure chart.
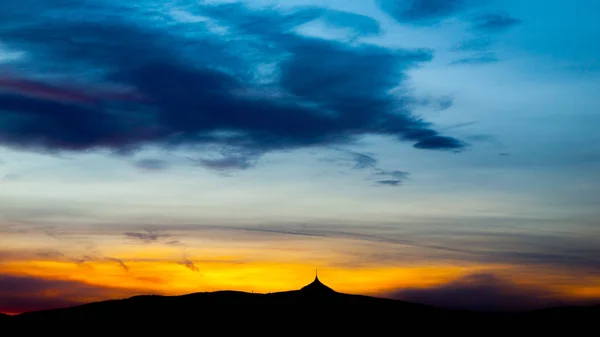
(450, 124)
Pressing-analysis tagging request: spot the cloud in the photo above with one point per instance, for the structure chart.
(176, 84)
(50, 254)
(424, 11)
(477, 44)
(51, 232)
(398, 175)
(23, 293)
(439, 142)
(82, 262)
(152, 164)
(120, 262)
(495, 23)
(146, 237)
(12, 229)
(41, 90)
(361, 24)
(481, 247)
(227, 163)
(482, 292)
(363, 161)
(189, 264)
(484, 138)
(390, 182)
(477, 60)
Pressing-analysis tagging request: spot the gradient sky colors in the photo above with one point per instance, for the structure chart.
(427, 150)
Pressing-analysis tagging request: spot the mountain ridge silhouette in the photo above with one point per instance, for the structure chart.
(313, 305)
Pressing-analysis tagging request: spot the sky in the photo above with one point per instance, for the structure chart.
(437, 151)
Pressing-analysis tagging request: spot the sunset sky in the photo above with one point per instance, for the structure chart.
(438, 151)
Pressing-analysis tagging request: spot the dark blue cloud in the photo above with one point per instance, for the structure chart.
(390, 182)
(188, 86)
(439, 142)
(424, 11)
(494, 23)
(429, 12)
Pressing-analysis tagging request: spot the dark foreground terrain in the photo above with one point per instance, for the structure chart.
(314, 308)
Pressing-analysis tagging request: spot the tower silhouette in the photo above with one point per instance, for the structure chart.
(317, 287)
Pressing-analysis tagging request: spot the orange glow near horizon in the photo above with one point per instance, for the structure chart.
(116, 269)
(169, 278)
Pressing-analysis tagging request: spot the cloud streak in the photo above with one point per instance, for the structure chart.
(360, 24)
(363, 161)
(152, 164)
(120, 262)
(485, 58)
(495, 23)
(452, 246)
(148, 236)
(390, 182)
(189, 264)
(226, 162)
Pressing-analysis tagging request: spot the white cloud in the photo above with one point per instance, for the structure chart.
(7, 55)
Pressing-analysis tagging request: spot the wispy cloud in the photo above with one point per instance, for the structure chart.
(82, 262)
(228, 163)
(448, 245)
(189, 264)
(425, 11)
(174, 243)
(120, 262)
(477, 60)
(50, 254)
(478, 44)
(147, 237)
(495, 23)
(364, 161)
(390, 182)
(152, 164)
(360, 24)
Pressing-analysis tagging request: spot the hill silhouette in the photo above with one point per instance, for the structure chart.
(313, 306)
